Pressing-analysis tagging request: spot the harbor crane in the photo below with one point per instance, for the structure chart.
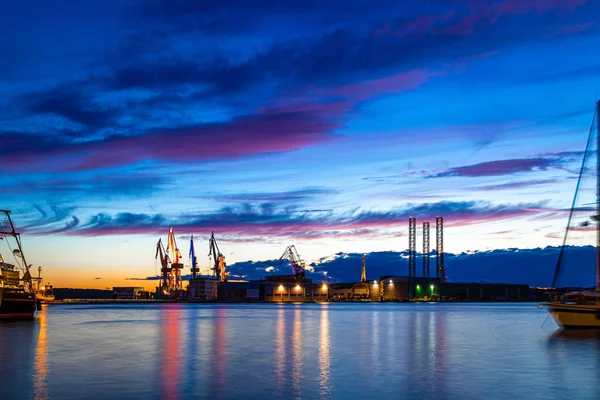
(218, 259)
(195, 270)
(298, 266)
(165, 270)
(175, 282)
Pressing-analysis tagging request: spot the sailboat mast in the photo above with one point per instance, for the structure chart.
(598, 195)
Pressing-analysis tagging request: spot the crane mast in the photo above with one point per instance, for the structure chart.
(175, 282)
(218, 259)
(298, 266)
(194, 260)
(165, 270)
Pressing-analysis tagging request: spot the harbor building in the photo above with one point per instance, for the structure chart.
(404, 288)
(282, 288)
(457, 291)
(239, 291)
(202, 289)
(128, 292)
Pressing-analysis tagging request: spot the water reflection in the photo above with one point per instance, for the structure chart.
(170, 357)
(297, 352)
(40, 366)
(580, 335)
(324, 356)
(220, 346)
(280, 351)
(426, 344)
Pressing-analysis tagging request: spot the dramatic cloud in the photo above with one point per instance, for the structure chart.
(302, 224)
(248, 136)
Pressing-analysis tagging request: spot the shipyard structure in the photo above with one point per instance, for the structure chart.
(428, 285)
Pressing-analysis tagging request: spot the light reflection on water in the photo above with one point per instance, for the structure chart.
(310, 351)
(40, 367)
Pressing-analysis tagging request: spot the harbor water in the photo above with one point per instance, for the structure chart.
(296, 351)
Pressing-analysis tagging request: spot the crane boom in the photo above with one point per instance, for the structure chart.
(218, 259)
(164, 263)
(298, 266)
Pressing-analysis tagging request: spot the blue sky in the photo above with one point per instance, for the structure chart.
(323, 124)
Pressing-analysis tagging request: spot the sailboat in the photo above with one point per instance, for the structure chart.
(17, 301)
(581, 309)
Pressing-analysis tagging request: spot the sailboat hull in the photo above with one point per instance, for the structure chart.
(575, 316)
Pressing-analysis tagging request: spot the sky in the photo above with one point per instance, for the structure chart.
(324, 124)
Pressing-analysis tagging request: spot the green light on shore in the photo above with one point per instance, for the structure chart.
(418, 287)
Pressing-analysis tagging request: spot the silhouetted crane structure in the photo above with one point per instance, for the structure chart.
(298, 266)
(165, 270)
(439, 249)
(193, 259)
(218, 259)
(426, 264)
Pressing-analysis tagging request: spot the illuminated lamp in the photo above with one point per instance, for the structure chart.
(432, 287)
(324, 287)
(297, 287)
(281, 288)
(391, 282)
(418, 287)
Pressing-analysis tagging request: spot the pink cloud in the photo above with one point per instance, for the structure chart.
(272, 131)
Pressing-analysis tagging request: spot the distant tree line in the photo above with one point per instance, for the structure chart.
(70, 293)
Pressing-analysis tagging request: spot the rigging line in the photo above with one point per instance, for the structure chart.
(16, 259)
(585, 157)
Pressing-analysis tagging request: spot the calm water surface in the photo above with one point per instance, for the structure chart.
(308, 351)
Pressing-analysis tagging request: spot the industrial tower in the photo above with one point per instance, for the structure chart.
(363, 275)
(426, 270)
(412, 247)
(439, 249)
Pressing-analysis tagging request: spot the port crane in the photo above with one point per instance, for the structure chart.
(165, 270)
(175, 283)
(194, 260)
(298, 266)
(218, 259)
